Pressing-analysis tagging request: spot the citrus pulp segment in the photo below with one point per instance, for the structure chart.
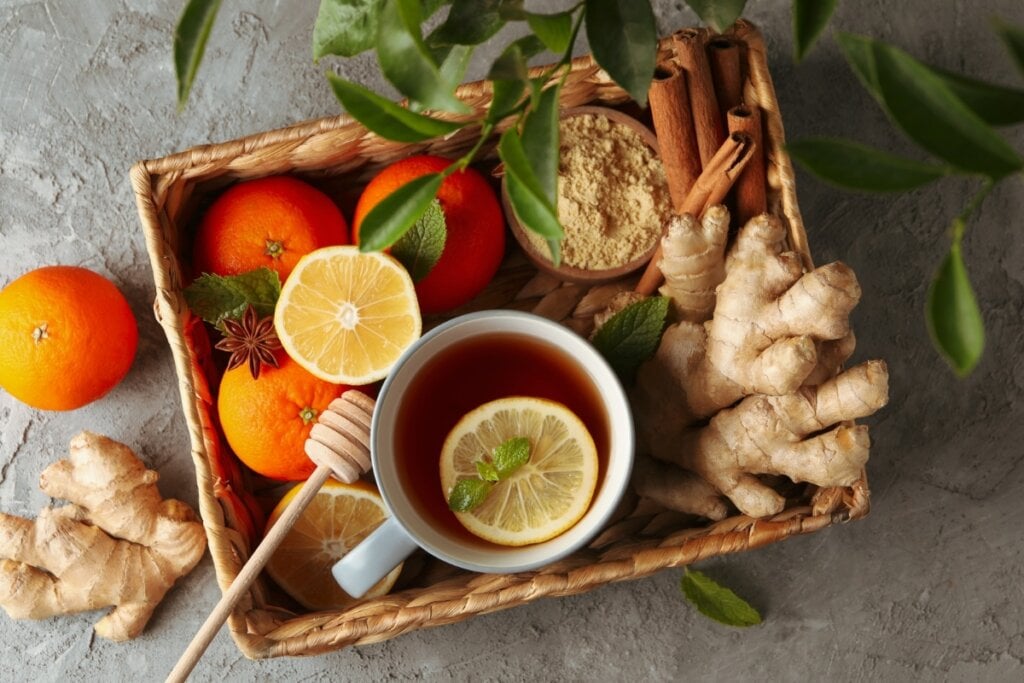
(346, 316)
(546, 495)
(339, 518)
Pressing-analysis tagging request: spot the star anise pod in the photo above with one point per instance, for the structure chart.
(251, 340)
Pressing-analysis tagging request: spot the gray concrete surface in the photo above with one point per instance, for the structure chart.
(928, 587)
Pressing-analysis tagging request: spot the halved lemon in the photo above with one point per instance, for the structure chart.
(346, 316)
(546, 495)
(338, 518)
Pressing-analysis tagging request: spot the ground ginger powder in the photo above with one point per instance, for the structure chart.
(612, 196)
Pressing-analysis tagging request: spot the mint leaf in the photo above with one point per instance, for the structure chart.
(717, 602)
(468, 493)
(216, 297)
(420, 249)
(511, 455)
(487, 471)
(631, 336)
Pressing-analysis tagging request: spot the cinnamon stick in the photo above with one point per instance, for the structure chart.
(673, 123)
(711, 187)
(707, 116)
(726, 74)
(751, 192)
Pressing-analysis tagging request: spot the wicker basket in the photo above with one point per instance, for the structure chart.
(338, 152)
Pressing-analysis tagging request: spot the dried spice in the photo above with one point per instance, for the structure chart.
(250, 340)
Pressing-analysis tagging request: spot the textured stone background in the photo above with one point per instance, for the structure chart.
(929, 586)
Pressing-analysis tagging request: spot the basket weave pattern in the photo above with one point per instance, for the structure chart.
(168, 191)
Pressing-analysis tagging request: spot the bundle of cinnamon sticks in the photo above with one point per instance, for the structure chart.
(709, 132)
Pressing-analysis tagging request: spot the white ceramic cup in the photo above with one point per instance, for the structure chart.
(406, 529)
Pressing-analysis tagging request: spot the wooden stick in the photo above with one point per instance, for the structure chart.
(707, 116)
(249, 572)
(724, 56)
(711, 187)
(751, 192)
(673, 123)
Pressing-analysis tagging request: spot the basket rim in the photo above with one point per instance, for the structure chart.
(261, 633)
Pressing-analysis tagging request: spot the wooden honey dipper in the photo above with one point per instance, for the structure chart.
(339, 444)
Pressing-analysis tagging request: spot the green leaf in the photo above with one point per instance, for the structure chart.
(190, 37)
(540, 143)
(421, 247)
(511, 64)
(631, 336)
(716, 601)
(386, 118)
(216, 297)
(525, 193)
(924, 107)
(397, 212)
(454, 62)
(1013, 38)
(854, 166)
(511, 455)
(487, 470)
(406, 61)
(718, 14)
(345, 27)
(858, 52)
(810, 17)
(468, 493)
(554, 30)
(505, 99)
(954, 319)
(469, 22)
(624, 39)
(996, 105)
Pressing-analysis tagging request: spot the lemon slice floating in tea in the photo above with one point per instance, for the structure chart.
(338, 518)
(346, 316)
(544, 496)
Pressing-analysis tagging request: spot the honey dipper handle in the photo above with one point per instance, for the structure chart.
(250, 571)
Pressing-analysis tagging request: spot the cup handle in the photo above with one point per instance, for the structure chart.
(371, 560)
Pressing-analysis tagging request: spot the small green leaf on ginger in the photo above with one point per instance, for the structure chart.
(511, 455)
(954, 318)
(216, 297)
(717, 602)
(420, 249)
(468, 493)
(631, 336)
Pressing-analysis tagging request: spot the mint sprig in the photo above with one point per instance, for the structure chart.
(631, 336)
(717, 602)
(470, 492)
(216, 297)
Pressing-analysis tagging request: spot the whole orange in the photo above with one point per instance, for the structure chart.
(267, 420)
(476, 230)
(268, 222)
(67, 337)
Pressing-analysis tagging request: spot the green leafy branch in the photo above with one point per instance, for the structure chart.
(952, 118)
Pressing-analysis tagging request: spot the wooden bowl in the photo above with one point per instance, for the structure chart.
(571, 273)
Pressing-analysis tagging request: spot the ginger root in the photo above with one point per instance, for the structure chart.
(775, 337)
(118, 544)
